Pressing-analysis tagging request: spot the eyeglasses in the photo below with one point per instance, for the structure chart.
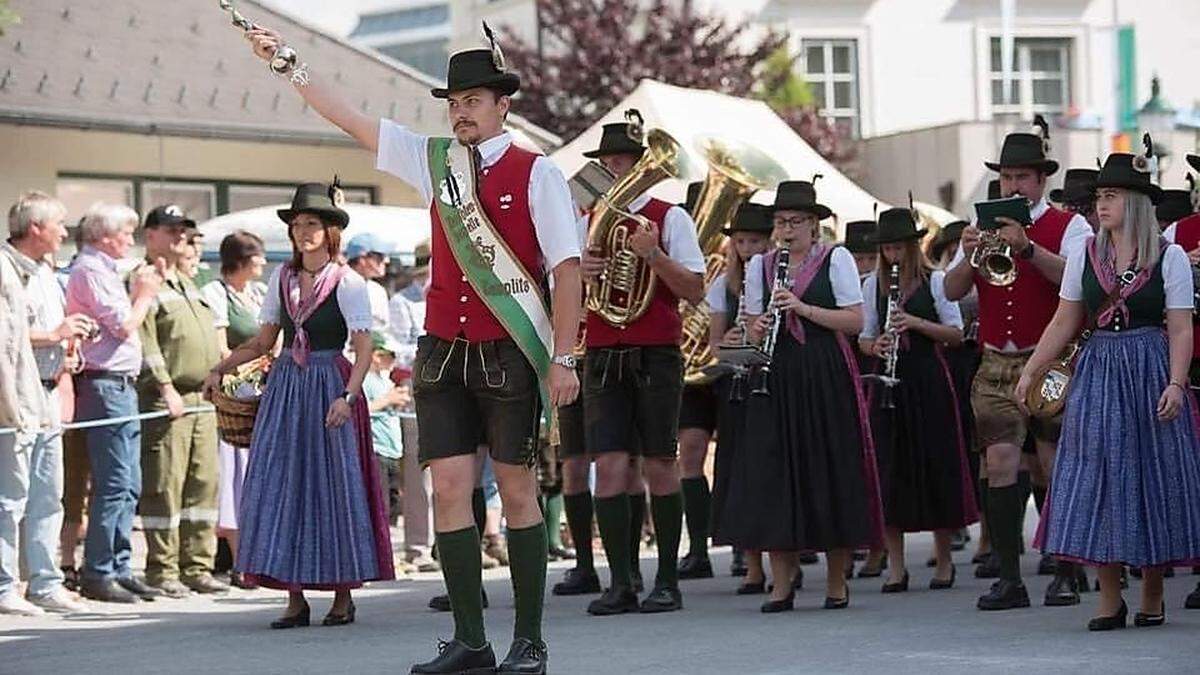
(793, 222)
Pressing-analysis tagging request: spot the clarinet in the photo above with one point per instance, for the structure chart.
(782, 269)
(737, 387)
(887, 400)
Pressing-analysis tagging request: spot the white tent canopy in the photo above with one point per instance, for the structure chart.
(689, 114)
(403, 227)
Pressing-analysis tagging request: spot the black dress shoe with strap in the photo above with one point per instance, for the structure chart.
(776, 606)
(1143, 620)
(615, 600)
(752, 588)
(332, 619)
(1005, 594)
(297, 620)
(456, 658)
(662, 599)
(578, 581)
(896, 586)
(1110, 622)
(936, 584)
(525, 657)
(838, 603)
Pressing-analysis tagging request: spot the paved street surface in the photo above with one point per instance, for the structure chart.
(919, 632)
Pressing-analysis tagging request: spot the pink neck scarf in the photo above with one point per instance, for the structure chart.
(1105, 269)
(300, 309)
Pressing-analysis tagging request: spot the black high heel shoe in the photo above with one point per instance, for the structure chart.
(1110, 622)
(838, 603)
(775, 606)
(751, 588)
(936, 584)
(898, 586)
(297, 620)
(1142, 620)
(332, 619)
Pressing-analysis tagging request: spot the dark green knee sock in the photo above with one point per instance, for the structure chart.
(667, 511)
(579, 521)
(462, 569)
(527, 564)
(696, 505)
(479, 509)
(637, 518)
(612, 515)
(553, 515)
(1005, 510)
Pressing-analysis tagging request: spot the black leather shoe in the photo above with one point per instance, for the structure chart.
(107, 590)
(662, 599)
(143, 590)
(1142, 620)
(1005, 594)
(838, 603)
(332, 619)
(989, 568)
(896, 587)
(776, 606)
(1081, 580)
(561, 553)
(808, 558)
(750, 588)
(981, 557)
(931, 561)
(577, 581)
(455, 658)
(1061, 591)
(635, 576)
(616, 600)
(1047, 566)
(737, 566)
(936, 584)
(696, 566)
(441, 603)
(525, 657)
(1193, 599)
(297, 620)
(1110, 622)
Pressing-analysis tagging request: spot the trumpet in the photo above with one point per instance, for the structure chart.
(888, 378)
(782, 272)
(993, 258)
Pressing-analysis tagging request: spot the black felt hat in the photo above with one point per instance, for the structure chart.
(751, 218)
(1079, 185)
(320, 199)
(617, 139)
(1175, 205)
(1194, 160)
(859, 234)
(479, 68)
(799, 195)
(1129, 172)
(896, 225)
(948, 234)
(1024, 150)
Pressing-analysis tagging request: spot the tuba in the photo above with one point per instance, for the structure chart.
(735, 171)
(622, 292)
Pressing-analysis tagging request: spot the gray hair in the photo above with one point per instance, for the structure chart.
(33, 206)
(1140, 228)
(104, 220)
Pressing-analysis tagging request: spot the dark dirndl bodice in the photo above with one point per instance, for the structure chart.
(326, 326)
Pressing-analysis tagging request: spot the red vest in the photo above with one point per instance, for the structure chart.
(1018, 313)
(1187, 235)
(660, 325)
(453, 308)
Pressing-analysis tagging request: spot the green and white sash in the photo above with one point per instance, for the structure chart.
(493, 270)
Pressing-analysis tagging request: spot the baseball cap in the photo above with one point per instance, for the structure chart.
(367, 242)
(169, 214)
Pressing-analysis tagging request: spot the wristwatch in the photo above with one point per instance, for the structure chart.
(565, 360)
(348, 397)
(1027, 254)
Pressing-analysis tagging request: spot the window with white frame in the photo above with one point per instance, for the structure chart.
(1041, 77)
(198, 200)
(830, 68)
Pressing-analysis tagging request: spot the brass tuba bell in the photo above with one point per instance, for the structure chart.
(622, 292)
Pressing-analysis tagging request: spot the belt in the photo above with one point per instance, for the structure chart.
(107, 375)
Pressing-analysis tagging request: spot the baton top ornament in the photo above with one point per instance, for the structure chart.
(284, 60)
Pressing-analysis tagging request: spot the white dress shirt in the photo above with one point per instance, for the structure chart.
(948, 313)
(843, 275)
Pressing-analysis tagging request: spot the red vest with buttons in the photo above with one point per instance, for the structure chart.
(660, 325)
(1187, 235)
(453, 307)
(1018, 313)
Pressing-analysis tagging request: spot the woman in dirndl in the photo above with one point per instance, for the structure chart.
(312, 515)
(806, 479)
(1126, 482)
(236, 299)
(924, 472)
(749, 235)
